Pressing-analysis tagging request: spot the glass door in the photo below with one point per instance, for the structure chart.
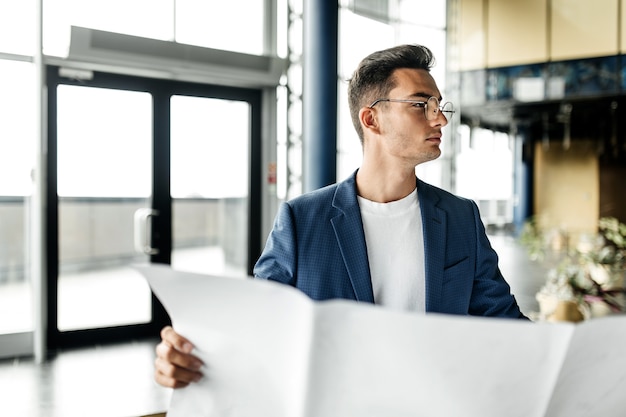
(144, 171)
(104, 175)
(210, 150)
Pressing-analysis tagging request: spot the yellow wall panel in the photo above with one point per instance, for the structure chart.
(471, 35)
(584, 28)
(516, 32)
(623, 27)
(567, 187)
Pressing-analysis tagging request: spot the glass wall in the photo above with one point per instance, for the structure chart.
(385, 24)
(481, 153)
(17, 156)
(219, 25)
(364, 27)
(17, 27)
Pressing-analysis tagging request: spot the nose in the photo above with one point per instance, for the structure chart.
(440, 119)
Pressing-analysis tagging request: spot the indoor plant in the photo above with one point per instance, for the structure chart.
(586, 280)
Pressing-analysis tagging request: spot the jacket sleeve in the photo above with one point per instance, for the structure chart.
(491, 294)
(278, 262)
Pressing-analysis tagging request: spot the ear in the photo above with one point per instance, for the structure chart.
(368, 118)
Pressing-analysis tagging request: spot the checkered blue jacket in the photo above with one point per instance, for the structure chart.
(318, 245)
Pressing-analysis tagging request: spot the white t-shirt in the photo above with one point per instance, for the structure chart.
(395, 248)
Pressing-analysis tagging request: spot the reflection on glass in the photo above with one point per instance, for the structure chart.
(209, 184)
(104, 176)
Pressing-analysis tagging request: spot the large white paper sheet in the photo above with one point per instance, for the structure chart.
(254, 340)
(271, 351)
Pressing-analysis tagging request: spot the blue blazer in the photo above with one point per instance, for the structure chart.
(318, 245)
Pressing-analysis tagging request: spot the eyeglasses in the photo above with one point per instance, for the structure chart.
(431, 106)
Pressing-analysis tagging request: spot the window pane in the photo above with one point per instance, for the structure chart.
(17, 27)
(483, 152)
(148, 18)
(351, 46)
(433, 39)
(413, 22)
(349, 149)
(17, 127)
(102, 142)
(428, 13)
(209, 184)
(17, 151)
(234, 25)
(351, 51)
(209, 147)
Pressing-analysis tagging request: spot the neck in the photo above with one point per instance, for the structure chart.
(384, 185)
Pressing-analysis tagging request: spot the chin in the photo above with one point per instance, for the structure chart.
(434, 154)
(427, 157)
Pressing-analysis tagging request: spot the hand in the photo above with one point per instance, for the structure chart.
(175, 366)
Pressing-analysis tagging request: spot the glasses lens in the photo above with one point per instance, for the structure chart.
(432, 108)
(447, 109)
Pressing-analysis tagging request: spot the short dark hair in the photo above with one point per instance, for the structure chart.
(373, 79)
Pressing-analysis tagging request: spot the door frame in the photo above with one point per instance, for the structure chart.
(161, 91)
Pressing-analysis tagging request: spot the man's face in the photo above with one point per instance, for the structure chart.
(405, 132)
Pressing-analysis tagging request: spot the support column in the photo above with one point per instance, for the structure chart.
(39, 214)
(321, 19)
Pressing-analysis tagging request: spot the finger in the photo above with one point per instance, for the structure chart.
(167, 353)
(168, 382)
(173, 376)
(175, 340)
(179, 344)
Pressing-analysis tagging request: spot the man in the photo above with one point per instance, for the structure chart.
(381, 236)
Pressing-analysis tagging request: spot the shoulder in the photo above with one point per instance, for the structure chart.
(339, 195)
(312, 201)
(439, 196)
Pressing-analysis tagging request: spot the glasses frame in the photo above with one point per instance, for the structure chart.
(424, 104)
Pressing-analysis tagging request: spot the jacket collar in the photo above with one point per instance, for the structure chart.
(434, 226)
(348, 226)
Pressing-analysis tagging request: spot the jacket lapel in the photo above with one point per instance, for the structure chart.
(434, 228)
(348, 228)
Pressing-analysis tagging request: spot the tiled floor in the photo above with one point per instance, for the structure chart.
(111, 381)
(117, 380)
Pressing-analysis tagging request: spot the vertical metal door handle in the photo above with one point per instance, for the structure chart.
(143, 231)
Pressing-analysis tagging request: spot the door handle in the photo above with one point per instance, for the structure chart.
(142, 231)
